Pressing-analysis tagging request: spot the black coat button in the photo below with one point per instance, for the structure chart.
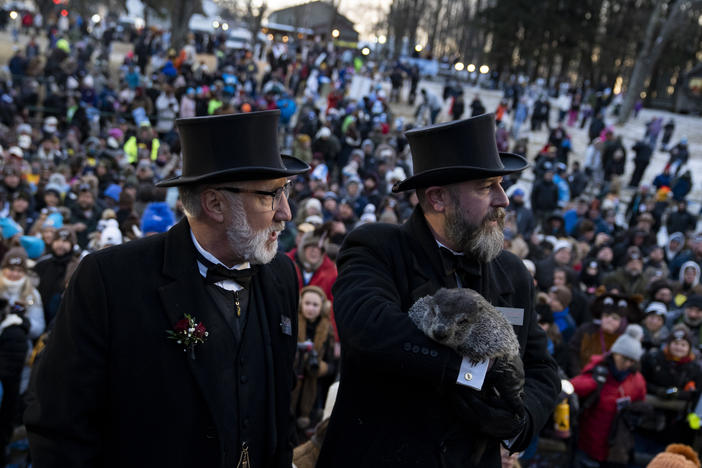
(244, 379)
(407, 346)
(433, 353)
(415, 349)
(425, 351)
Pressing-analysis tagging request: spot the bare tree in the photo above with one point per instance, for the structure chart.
(659, 31)
(253, 17)
(179, 12)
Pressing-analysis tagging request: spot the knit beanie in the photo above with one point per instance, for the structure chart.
(563, 295)
(680, 332)
(66, 234)
(562, 244)
(15, 257)
(629, 344)
(34, 246)
(658, 308)
(111, 235)
(157, 217)
(694, 300)
(313, 204)
(309, 239)
(676, 456)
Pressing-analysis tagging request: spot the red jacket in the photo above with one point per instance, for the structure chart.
(324, 277)
(596, 421)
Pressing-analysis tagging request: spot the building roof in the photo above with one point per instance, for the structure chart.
(318, 16)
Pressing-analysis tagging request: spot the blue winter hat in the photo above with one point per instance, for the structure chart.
(54, 220)
(113, 191)
(33, 245)
(518, 193)
(157, 217)
(9, 228)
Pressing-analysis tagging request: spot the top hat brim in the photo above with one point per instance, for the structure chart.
(454, 174)
(293, 166)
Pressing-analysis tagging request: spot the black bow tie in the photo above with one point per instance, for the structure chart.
(217, 273)
(460, 264)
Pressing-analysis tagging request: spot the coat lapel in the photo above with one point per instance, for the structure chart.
(186, 294)
(279, 332)
(501, 287)
(427, 268)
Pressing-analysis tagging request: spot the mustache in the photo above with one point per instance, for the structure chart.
(279, 226)
(498, 214)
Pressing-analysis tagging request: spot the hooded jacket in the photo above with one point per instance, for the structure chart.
(596, 421)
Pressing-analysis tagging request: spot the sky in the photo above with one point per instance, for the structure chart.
(364, 13)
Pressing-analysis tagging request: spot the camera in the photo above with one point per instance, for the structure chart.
(313, 361)
(307, 359)
(305, 346)
(18, 309)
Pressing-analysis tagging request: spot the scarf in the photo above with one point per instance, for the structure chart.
(618, 375)
(683, 360)
(13, 287)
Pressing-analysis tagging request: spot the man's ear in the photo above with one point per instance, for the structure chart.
(437, 198)
(212, 204)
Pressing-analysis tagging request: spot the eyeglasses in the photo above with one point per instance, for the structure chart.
(276, 195)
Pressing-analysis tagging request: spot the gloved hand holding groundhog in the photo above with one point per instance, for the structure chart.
(463, 320)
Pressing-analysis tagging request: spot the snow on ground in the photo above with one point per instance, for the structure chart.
(685, 125)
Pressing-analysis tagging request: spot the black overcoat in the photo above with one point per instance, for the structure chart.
(112, 391)
(392, 408)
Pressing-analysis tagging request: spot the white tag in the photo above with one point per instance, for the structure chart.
(472, 375)
(514, 315)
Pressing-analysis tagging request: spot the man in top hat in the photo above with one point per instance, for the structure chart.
(404, 399)
(177, 349)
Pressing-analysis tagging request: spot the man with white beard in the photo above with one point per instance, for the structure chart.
(177, 350)
(405, 399)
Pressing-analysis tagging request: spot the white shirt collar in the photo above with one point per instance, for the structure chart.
(449, 249)
(229, 285)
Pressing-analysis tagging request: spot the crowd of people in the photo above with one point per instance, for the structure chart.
(83, 145)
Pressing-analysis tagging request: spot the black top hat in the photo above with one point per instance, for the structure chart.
(232, 147)
(456, 151)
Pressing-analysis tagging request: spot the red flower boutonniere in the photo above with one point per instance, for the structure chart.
(188, 333)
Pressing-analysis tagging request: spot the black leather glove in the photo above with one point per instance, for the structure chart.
(600, 373)
(490, 416)
(506, 376)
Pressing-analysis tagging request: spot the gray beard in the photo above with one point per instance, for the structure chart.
(691, 323)
(480, 241)
(250, 245)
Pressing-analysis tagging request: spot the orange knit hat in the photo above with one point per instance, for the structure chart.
(676, 456)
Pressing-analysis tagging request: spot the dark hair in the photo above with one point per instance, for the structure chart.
(567, 272)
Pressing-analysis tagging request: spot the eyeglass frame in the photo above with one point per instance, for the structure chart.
(276, 195)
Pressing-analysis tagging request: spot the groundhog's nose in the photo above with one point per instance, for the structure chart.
(440, 333)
